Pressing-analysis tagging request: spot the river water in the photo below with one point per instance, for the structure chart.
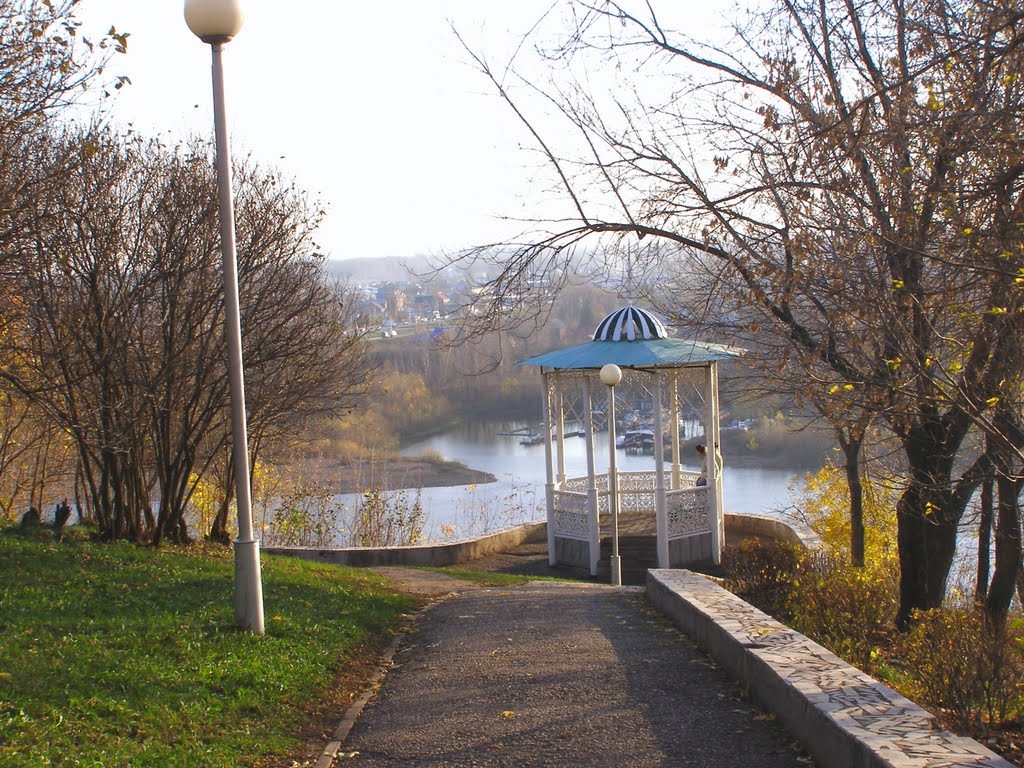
(518, 494)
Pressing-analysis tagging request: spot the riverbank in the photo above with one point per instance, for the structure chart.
(402, 472)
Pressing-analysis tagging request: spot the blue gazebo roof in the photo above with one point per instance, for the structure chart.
(647, 353)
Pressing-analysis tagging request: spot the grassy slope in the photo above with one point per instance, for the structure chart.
(115, 655)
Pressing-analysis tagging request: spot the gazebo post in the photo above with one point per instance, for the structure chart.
(660, 514)
(717, 442)
(673, 409)
(595, 515)
(710, 429)
(559, 387)
(549, 487)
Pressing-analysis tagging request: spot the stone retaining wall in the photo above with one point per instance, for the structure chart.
(437, 555)
(456, 552)
(770, 528)
(843, 717)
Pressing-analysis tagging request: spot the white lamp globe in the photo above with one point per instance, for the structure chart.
(214, 21)
(611, 375)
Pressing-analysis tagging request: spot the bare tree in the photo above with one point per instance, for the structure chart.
(854, 172)
(122, 343)
(47, 66)
(304, 359)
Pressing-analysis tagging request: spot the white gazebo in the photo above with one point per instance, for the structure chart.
(686, 514)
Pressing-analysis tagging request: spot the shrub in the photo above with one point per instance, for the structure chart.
(957, 662)
(763, 573)
(304, 517)
(384, 519)
(431, 456)
(850, 610)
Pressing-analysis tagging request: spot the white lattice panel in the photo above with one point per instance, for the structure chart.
(688, 512)
(688, 479)
(571, 518)
(576, 484)
(636, 481)
(636, 501)
(582, 484)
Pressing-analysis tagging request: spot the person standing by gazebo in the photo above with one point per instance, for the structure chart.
(702, 459)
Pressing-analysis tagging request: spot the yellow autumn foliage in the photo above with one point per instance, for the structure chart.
(826, 509)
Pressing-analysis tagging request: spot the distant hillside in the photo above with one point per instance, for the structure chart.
(412, 268)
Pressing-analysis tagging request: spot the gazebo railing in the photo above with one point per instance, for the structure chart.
(687, 509)
(572, 518)
(688, 512)
(582, 484)
(636, 490)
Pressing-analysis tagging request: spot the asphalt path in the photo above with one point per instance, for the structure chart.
(559, 674)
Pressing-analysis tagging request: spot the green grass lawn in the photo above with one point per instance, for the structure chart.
(114, 655)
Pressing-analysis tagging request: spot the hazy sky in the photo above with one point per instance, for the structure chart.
(373, 106)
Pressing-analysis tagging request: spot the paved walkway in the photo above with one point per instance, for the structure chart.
(558, 674)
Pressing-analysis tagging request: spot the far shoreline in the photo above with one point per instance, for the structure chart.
(406, 473)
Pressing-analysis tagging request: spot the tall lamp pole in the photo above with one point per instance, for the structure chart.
(611, 375)
(216, 22)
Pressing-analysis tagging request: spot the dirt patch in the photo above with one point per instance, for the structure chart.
(423, 583)
(411, 472)
(528, 559)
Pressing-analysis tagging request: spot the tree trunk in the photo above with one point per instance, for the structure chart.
(926, 524)
(83, 510)
(1020, 583)
(1007, 539)
(219, 529)
(851, 449)
(984, 540)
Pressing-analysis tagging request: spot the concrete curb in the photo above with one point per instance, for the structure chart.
(434, 555)
(355, 709)
(842, 716)
(326, 759)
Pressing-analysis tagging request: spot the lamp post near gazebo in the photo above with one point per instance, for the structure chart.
(611, 375)
(632, 346)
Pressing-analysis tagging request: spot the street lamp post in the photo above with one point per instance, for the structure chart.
(611, 375)
(216, 22)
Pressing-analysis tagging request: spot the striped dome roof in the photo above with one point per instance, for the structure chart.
(630, 324)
